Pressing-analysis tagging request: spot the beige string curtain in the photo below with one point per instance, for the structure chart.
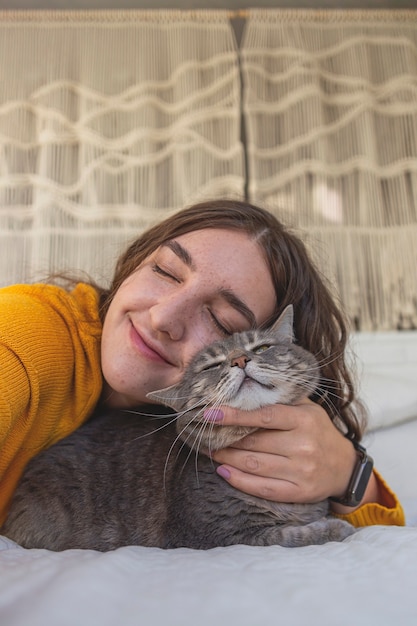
(108, 122)
(330, 103)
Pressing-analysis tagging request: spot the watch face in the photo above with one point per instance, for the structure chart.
(362, 479)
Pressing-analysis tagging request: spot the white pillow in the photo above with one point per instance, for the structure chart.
(387, 375)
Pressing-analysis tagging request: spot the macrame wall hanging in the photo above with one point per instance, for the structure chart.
(331, 120)
(111, 120)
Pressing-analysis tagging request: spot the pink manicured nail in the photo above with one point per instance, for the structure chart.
(223, 472)
(213, 415)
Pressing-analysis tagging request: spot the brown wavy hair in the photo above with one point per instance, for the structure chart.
(319, 324)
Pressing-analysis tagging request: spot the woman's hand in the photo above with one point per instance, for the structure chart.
(297, 455)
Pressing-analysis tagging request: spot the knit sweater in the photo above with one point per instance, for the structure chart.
(50, 381)
(50, 374)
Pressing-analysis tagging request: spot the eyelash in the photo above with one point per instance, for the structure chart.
(158, 270)
(219, 326)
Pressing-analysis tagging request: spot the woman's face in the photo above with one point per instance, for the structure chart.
(193, 290)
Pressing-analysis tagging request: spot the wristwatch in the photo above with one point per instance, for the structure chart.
(359, 479)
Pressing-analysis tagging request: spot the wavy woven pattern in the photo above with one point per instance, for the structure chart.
(331, 121)
(109, 120)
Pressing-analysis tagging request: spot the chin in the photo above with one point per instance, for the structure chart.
(251, 397)
(212, 437)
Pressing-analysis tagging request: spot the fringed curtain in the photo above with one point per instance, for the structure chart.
(330, 102)
(109, 121)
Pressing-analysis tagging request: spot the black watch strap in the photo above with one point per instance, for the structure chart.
(359, 479)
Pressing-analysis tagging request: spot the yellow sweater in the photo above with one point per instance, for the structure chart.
(50, 381)
(50, 374)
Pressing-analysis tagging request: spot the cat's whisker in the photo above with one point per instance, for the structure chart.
(201, 405)
(201, 426)
(327, 403)
(165, 425)
(197, 446)
(327, 360)
(168, 456)
(205, 426)
(194, 447)
(151, 415)
(333, 393)
(174, 416)
(339, 392)
(211, 426)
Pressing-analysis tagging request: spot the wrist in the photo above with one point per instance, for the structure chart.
(362, 485)
(372, 494)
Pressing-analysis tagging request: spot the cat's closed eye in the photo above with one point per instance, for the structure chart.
(211, 366)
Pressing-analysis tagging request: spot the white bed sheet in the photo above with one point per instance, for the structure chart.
(370, 579)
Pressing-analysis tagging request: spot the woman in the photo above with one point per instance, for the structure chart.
(204, 273)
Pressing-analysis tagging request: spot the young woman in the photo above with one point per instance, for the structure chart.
(202, 274)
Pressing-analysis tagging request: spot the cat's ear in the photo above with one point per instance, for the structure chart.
(284, 325)
(167, 396)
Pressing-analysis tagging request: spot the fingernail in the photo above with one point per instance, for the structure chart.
(223, 472)
(213, 415)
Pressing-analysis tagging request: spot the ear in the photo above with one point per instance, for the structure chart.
(167, 396)
(284, 325)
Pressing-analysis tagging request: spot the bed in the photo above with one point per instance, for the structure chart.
(370, 578)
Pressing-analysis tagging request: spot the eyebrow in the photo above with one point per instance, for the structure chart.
(238, 304)
(181, 252)
(226, 294)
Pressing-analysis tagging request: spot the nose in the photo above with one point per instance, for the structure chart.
(168, 317)
(239, 360)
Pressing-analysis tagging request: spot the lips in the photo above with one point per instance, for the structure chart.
(147, 348)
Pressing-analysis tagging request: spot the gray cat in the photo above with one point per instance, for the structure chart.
(130, 478)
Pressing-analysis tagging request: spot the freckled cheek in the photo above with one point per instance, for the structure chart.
(192, 347)
(199, 335)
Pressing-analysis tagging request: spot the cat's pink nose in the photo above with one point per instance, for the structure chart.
(241, 360)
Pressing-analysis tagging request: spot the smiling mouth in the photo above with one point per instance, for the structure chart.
(146, 349)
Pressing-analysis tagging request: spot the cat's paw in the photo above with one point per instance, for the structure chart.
(338, 529)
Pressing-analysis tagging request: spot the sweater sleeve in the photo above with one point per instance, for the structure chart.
(389, 514)
(50, 375)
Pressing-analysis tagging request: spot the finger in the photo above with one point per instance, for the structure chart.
(276, 442)
(268, 488)
(276, 417)
(257, 463)
(280, 467)
(298, 446)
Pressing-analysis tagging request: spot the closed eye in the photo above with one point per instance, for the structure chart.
(224, 331)
(211, 366)
(158, 270)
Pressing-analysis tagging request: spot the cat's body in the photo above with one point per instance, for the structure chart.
(125, 478)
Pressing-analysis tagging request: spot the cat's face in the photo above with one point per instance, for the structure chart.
(247, 370)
